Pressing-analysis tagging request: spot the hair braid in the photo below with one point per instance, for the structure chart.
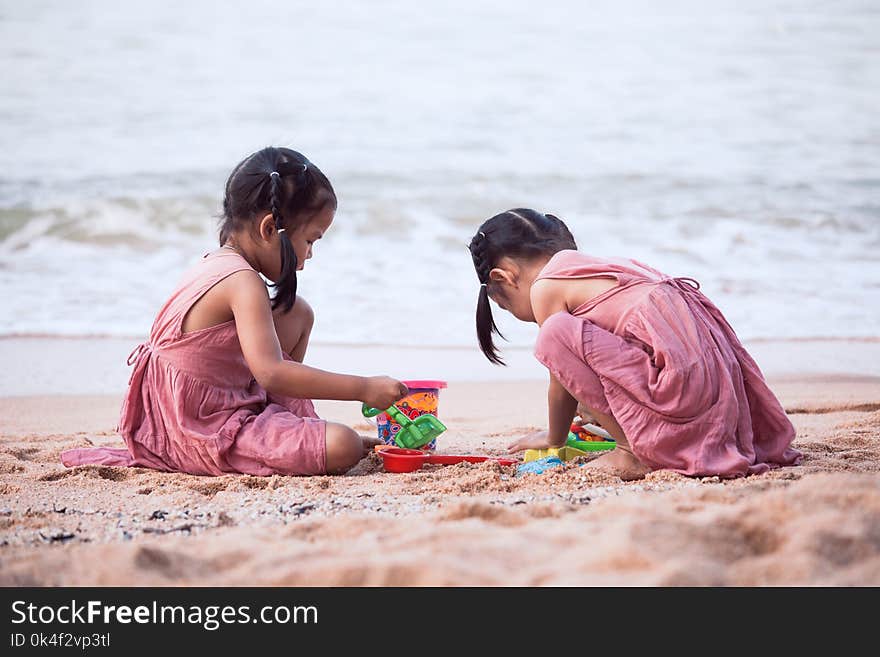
(479, 248)
(275, 198)
(285, 286)
(486, 326)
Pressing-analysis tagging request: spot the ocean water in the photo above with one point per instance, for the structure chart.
(734, 142)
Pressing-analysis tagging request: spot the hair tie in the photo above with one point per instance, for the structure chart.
(483, 234)
(274, 173)
(484, 285)
(281, 230)
(305, 167)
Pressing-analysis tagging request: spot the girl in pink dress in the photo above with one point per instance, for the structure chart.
(220, 386)
(646, 356)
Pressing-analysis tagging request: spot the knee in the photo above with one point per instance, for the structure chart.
(344, 448)
(301, 314)
(292, 325)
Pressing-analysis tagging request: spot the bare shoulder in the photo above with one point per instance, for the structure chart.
(552, 295)
(216, 305)
(243, 281)
(548, 296)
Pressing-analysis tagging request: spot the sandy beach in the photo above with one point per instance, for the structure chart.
(728, 145)
(816, 524)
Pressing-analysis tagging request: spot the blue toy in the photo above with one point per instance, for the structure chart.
(539, 466)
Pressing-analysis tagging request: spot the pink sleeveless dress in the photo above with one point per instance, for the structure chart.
(657, 355)
(193, 406)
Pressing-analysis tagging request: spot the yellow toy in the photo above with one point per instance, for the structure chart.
(564, 453)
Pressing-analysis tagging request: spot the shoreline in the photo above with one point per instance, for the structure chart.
(96, 366)
(22, 415)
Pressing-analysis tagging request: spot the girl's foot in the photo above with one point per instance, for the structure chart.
(621, 463)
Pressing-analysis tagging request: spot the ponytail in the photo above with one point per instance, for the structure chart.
(486, 327)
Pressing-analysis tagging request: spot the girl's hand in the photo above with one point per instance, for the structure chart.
(382, 391)
(536, 440)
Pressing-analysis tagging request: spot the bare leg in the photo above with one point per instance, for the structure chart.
(294, 328)
(344, 448)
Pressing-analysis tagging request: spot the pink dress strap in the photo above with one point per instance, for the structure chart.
(570, 264)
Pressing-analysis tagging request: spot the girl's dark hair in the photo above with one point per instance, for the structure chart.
(285, 183)
(519, 233)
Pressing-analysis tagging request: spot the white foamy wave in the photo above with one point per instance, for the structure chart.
(375, 282)
(736, 145)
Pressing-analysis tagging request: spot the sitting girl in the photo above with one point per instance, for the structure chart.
(647, 356)
(221, 386)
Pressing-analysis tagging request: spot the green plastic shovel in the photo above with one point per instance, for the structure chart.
(413, 433)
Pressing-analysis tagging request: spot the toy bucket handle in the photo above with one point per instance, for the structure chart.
(369, 411)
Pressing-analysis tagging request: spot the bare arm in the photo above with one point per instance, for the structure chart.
(251, 308)
(562, 407)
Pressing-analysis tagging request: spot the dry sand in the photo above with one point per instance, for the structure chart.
(818, 523)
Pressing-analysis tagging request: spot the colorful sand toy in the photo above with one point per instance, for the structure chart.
(413, 433)
(589, 438)
(422, 399)
(573, 447)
